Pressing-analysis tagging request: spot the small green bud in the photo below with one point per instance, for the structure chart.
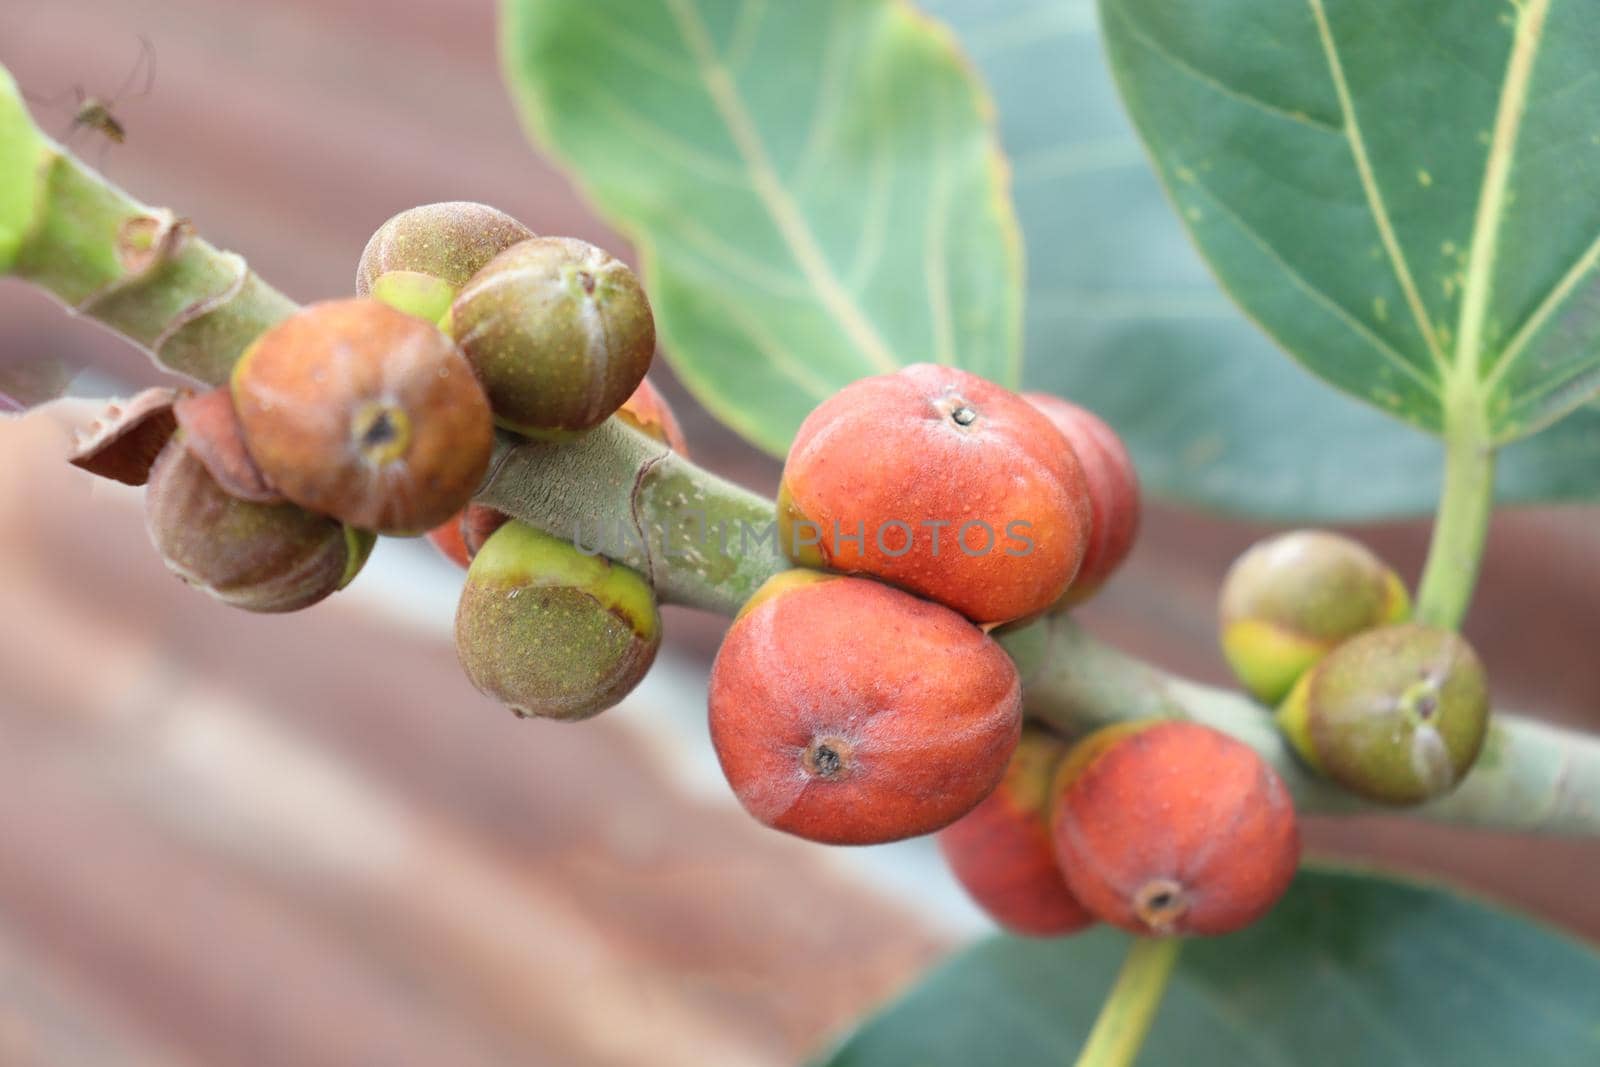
(449, 242)
(559, 332)
(1291, 599)
(261, 557)
(550, 631)
(1396, 715)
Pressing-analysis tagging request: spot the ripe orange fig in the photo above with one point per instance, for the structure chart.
(942, 483)
(1170, 827)
(1113, 491)
(460, 537)
(851, 713)
(648, 412)
(355, 410)
(1001, 850)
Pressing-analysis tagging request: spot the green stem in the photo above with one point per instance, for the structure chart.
(1462, 526)
(1131, 1007)
(142, 272)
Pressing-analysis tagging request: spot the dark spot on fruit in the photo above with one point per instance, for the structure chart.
(826, 762)
(380, 431)
(964, 416)
(586, 280)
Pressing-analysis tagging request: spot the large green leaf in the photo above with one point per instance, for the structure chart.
(1400, 191)
(814, 188)
(1346, 970)
(1124, 315)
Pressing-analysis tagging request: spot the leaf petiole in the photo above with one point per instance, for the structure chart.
(1131, 1006)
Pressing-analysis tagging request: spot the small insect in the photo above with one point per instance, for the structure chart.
(98, 114)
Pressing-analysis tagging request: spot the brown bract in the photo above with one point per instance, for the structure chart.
(960, 490)
(126, 438)
(1001, 851)
(356, 410)
(1173, 828)
(1113, 491)
(848, 712)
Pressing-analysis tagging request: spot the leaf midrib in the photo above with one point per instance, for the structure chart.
(1491, 203)
(774, 195)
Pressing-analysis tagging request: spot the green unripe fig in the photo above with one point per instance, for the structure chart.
(1291, 599)
(418, 260)
(560, 333)
(550, 631)
(1396, 715)
(261, 557)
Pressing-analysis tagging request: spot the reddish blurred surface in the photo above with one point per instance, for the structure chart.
(231, 840)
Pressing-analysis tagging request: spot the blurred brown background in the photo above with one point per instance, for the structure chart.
(236, 840)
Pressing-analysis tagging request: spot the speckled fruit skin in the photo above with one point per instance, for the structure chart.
(1001, 851)
(1114, 498)
(551, 632)
(559, 331)
(460, 537)
(1173, 828)
(648, 412)
(1291, 599)
(447, 242)
(851, 713)
(935, 444)
(261, 557)
(355, 410)
(1397, 715)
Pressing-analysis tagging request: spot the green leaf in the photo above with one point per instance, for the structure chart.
(1347, 969)
(1124, 315)
(1399, 191)
(814, 189)
(21, 149)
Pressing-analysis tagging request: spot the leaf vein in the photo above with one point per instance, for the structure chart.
(1217, 85)
(775, 196)
(1304, 284)
(1374, 195)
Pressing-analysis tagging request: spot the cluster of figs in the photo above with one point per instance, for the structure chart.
(861, 695)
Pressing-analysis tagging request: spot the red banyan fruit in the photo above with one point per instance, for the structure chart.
(1113, 491)
(848, 712)
(1001, 850)
(942, 483)
(648, 412)
(459, 538)
(1169, 827)
(352, 409)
